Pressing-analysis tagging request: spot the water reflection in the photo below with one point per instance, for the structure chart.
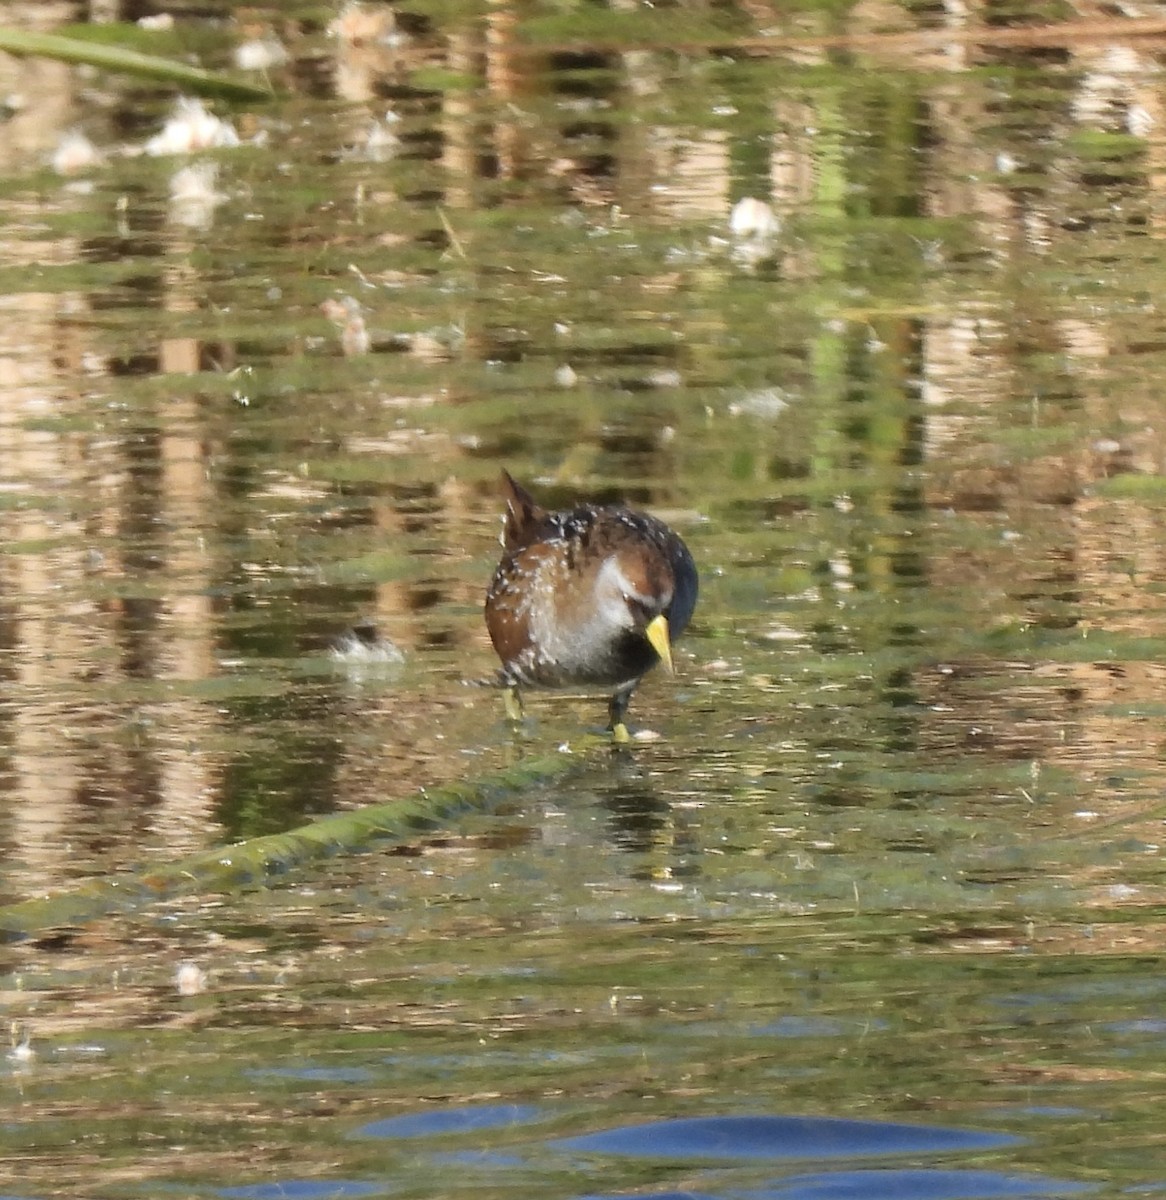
(444, 1121)
(306, 1189)
(931, 1185)
(908, 417)
(780, 1137)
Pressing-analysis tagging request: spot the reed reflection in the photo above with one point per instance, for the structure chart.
(908, 403)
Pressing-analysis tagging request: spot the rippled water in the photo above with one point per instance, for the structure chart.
(878, 911)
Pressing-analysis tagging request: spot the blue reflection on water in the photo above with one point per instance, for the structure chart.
(1067, 994)
(479, 1158)
(1138, 1025)
(915, 1185)
(805, 1027)
(780, 1137)
(886, 1185)
(657, 1196)
(451, 1120)
(305, 1189)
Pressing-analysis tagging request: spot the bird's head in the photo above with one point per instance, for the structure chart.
(634, 591)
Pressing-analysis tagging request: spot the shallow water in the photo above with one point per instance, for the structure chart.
(879, 909)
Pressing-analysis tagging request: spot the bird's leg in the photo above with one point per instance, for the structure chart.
(616, 708)
(513, 702)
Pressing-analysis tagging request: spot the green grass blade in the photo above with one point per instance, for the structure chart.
(116, 58)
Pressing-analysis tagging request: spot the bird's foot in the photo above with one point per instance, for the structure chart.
(513, 703)
(617, 708)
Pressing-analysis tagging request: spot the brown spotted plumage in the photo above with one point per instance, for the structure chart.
(588, 599)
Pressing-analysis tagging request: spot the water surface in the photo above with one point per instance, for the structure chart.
(890, 869)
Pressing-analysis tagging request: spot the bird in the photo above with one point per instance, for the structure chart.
(590, 598)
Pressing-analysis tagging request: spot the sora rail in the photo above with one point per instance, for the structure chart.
(588, 599)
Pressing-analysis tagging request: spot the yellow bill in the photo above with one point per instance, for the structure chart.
(656, 632)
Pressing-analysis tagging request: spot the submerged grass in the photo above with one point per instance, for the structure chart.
(250, 863)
